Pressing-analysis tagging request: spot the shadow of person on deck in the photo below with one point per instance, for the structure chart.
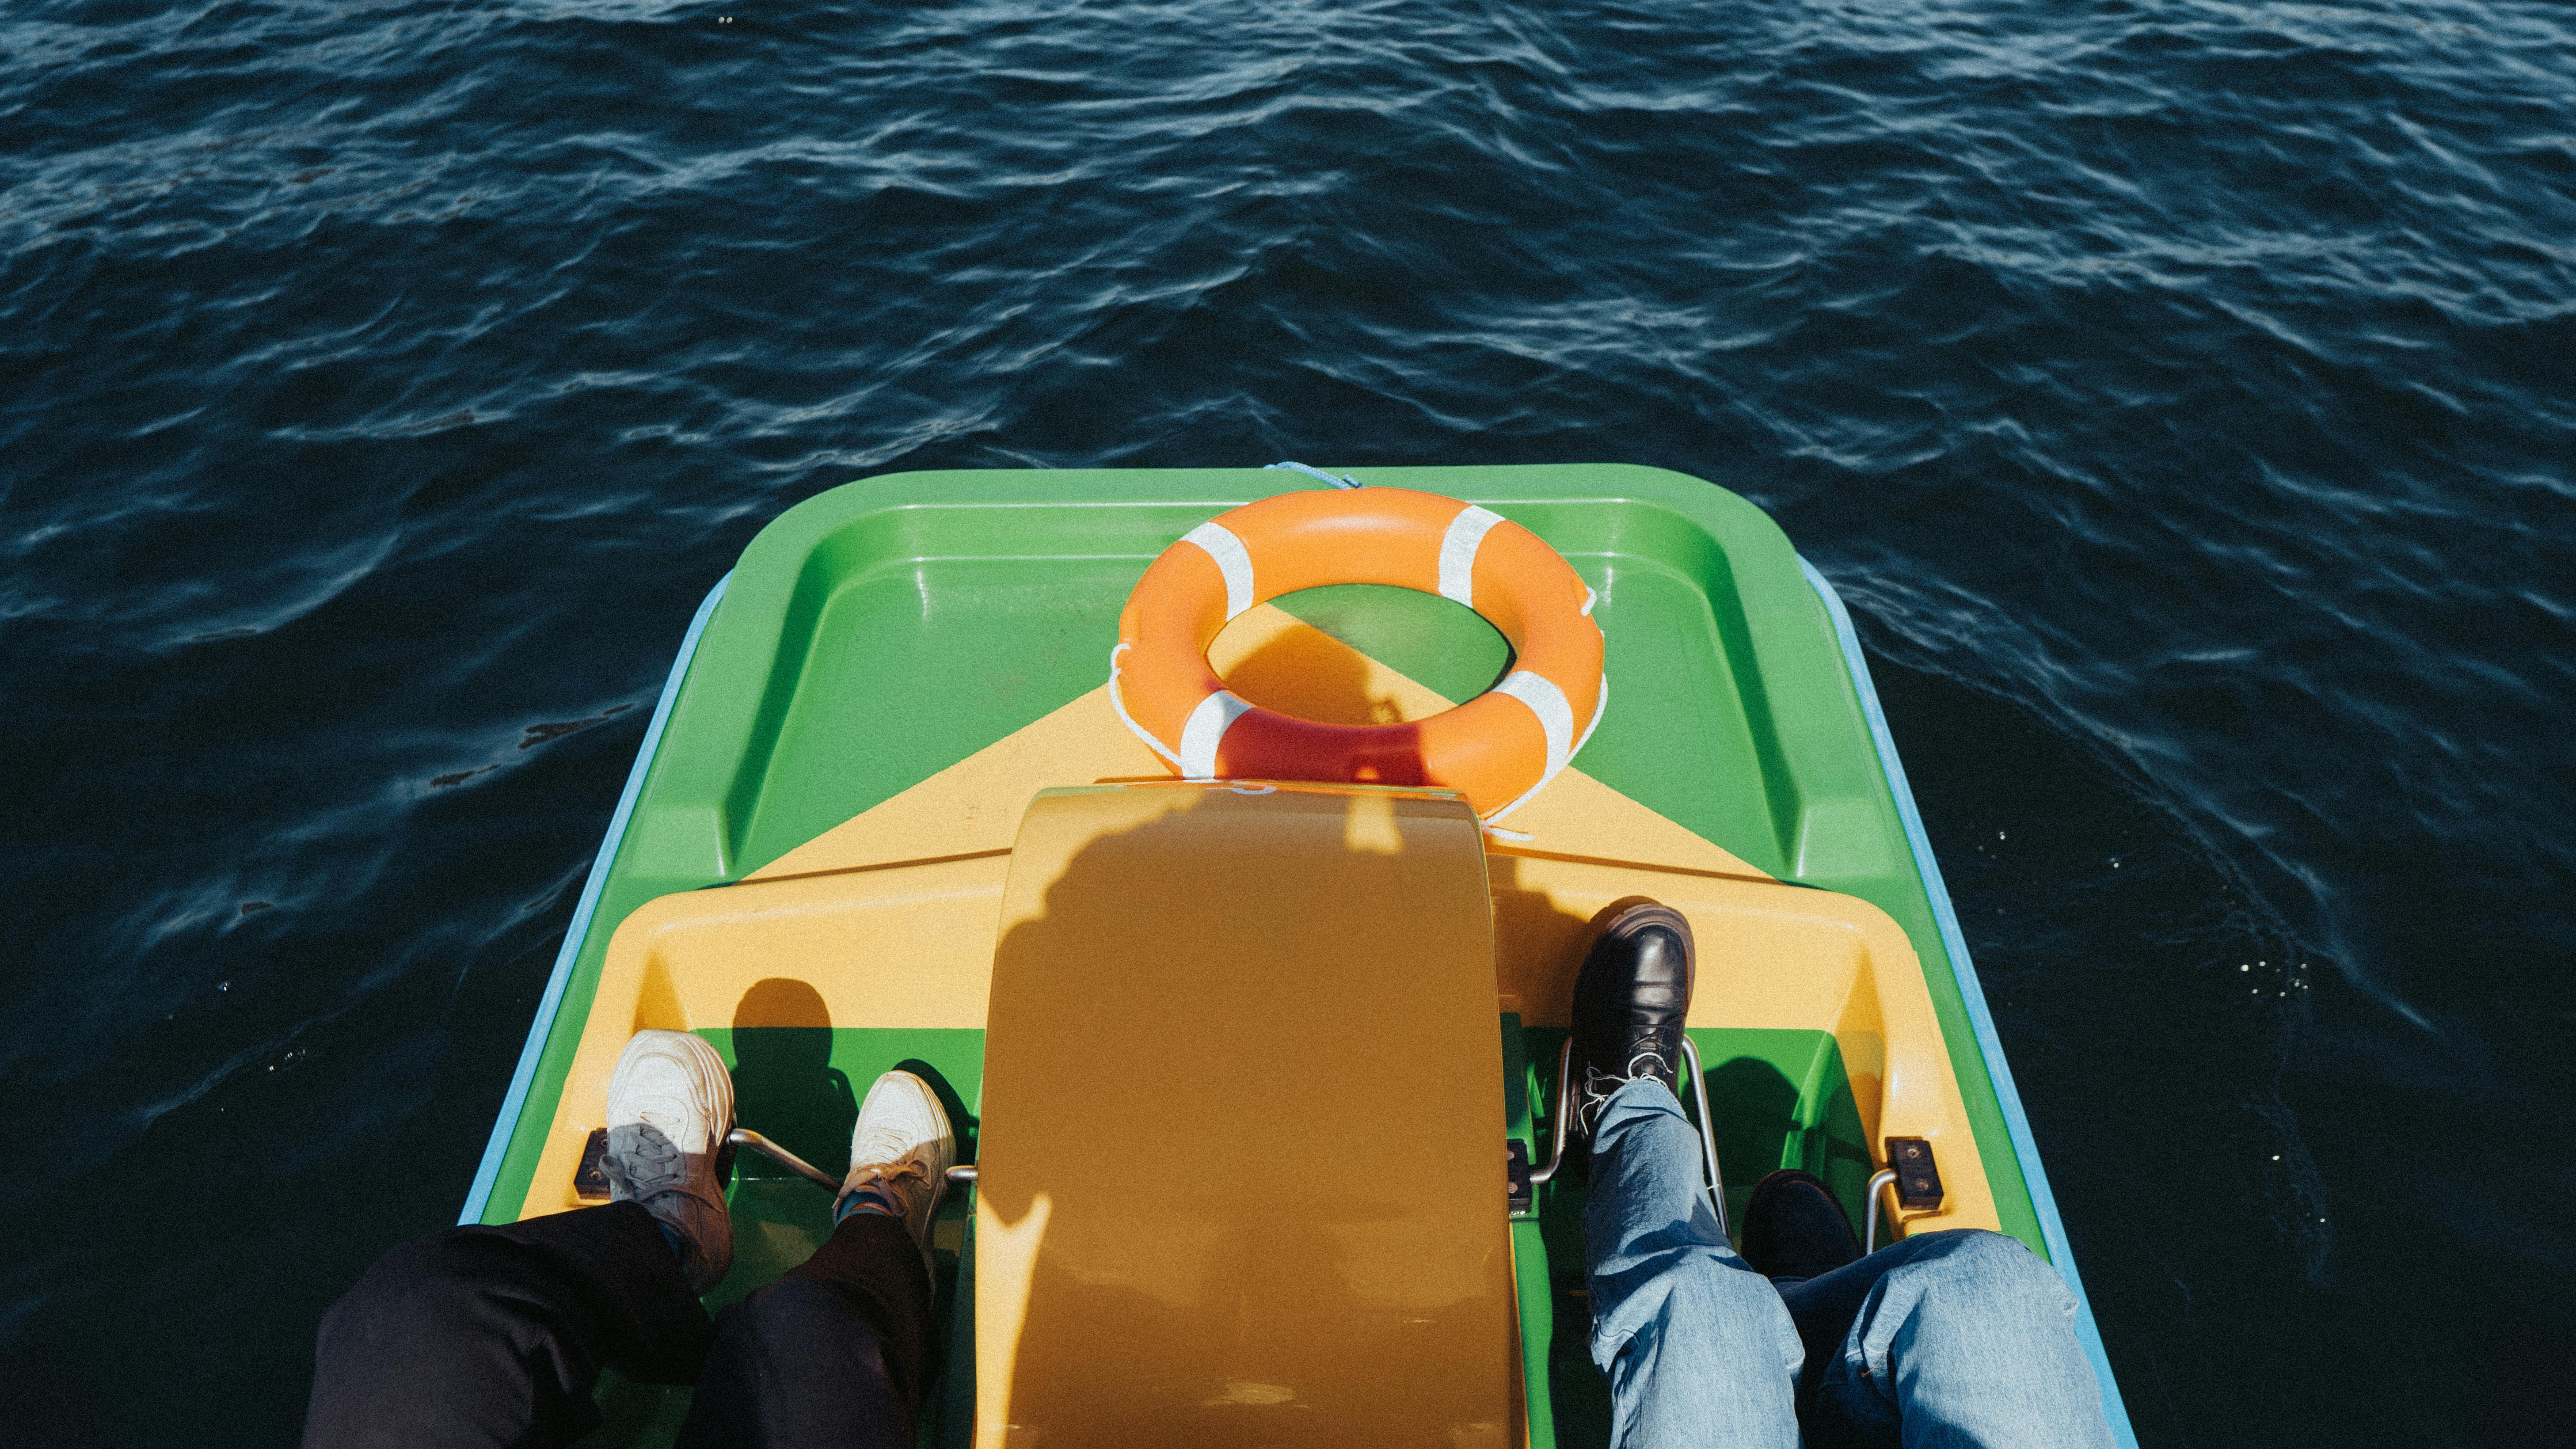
(784, 1084)
(1275, 1236)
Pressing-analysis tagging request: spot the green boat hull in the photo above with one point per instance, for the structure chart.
(889, 628)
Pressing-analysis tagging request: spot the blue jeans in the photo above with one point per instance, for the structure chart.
(1946, 1339)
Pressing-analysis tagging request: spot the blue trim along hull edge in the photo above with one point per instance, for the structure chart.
(507, 1122)
(2051, 1228)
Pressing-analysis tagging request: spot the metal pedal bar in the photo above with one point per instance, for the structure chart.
(1707, 1133)
(745, 1137)
(1556, 1150)
(1564, 1114)
(1882, 1178)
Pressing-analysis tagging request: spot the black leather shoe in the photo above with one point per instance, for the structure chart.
(1793, 1228)
(1628, 1009)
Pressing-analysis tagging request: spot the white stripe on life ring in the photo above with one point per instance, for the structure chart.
(1599, 706)
(1129, 720)
(1206, 730)
(1458, 552)
(1554, 715)
(1232, 560)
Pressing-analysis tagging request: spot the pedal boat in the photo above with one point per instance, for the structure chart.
(1258, 1082)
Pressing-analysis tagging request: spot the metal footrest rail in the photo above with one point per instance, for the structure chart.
(745, 1137)
(1566, 1093)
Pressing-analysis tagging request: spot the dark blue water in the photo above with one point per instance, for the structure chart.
(2181, 393)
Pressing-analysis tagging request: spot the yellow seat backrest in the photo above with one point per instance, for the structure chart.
(1242, 1165)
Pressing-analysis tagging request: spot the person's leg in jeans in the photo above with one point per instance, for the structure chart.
(1950, 1340)
(836, 1355)
(1697, 1346)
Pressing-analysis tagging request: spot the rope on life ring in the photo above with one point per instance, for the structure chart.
(1497, 749)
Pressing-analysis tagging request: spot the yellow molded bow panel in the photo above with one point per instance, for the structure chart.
(1242, 1169)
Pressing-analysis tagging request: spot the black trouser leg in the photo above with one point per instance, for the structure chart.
(837, 1353)
(496, 1336)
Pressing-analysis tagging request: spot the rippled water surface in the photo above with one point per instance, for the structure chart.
(2179, 391)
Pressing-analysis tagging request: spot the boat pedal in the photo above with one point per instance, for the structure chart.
(590, 1180)
(1918, 1175)
(1524, 1193)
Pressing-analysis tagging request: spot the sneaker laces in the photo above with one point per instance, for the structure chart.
(885, 1183)
(1599, 1086)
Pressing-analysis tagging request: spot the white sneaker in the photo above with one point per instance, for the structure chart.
(899, 1155)
(670, 1104)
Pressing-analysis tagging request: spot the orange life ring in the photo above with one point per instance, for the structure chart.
(1497, 749)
